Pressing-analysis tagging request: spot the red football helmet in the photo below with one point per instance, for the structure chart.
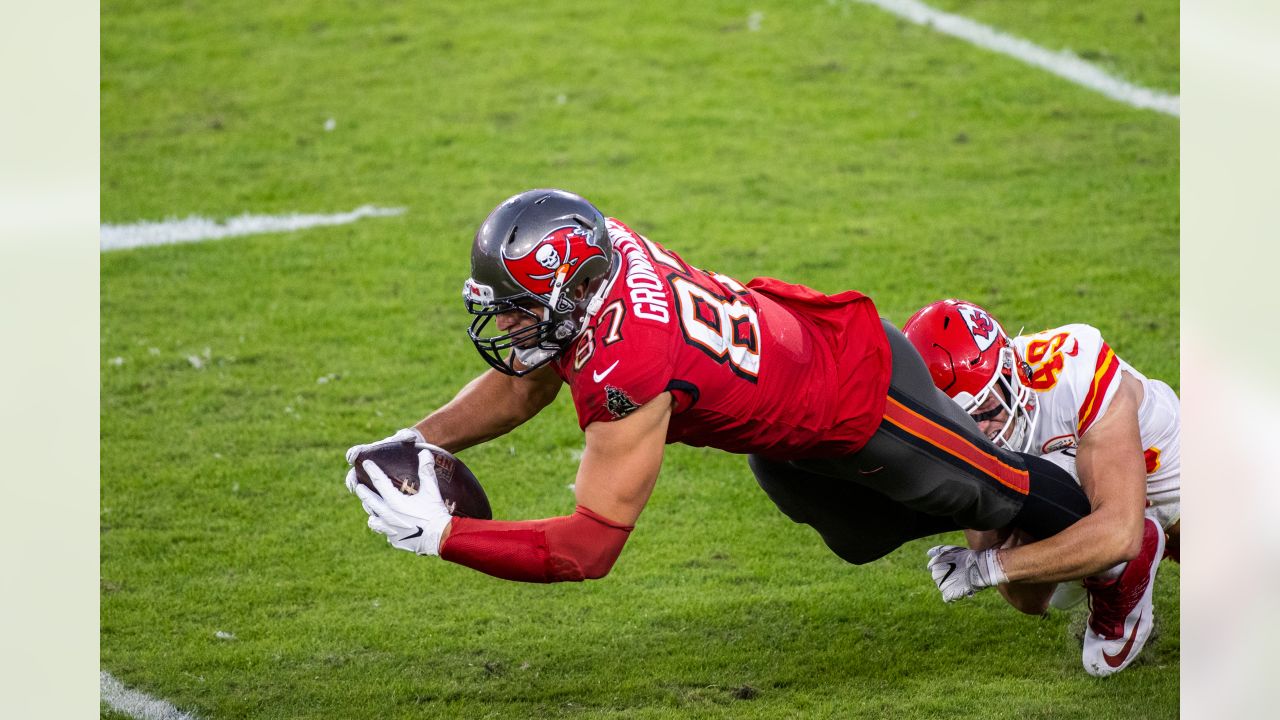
(969, 355)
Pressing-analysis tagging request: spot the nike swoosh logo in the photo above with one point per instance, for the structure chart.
(1118, 659)
(410, 537)
(598, 376)
(951, 567)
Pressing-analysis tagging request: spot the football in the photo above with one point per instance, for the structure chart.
(459, 487)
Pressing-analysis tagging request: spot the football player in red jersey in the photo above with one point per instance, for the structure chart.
(1064, 394)
(842, 424)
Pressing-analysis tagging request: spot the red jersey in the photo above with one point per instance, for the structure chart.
(770, 368)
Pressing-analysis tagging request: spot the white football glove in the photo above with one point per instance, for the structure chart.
(410, 522)
(408, 434)
(959, 572)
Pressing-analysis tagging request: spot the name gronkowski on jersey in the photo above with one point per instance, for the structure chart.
(1076, 375)
(770, 368)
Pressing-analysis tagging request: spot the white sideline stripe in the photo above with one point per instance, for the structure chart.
(195, 228)
(136, 704)
(1064, 64)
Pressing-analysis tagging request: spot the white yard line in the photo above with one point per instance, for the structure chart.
(1062, 63)
(195, 228)
(136, 704)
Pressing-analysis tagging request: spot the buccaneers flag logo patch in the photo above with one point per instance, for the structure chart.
(618, 402)
(562, 250)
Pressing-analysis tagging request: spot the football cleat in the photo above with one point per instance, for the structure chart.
(1067, 595)
(1120, 611)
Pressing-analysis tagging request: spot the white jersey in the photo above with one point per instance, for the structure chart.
(1076, 375)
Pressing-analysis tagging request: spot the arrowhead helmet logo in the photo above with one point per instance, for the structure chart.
(983, 327)
(561, 250)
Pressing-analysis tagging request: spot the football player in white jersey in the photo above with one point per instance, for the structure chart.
(1065, 395)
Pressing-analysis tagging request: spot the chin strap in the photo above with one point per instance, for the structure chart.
(597, 301)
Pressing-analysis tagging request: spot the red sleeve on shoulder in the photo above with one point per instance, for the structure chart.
(577, 547)
(624, 376)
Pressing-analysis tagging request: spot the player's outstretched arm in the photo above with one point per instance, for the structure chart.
(621, 461)
(490, 406)
(1113, 474)
(617, 474)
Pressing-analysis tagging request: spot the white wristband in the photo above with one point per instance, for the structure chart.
(990, 571)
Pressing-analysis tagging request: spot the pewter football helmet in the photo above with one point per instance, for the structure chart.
(545, 253)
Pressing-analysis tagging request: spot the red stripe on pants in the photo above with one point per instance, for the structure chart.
(957, 446)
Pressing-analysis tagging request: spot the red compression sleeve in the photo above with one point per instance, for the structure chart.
(577, 547)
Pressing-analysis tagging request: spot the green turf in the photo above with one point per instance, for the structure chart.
(1136, 41)
(836, 146)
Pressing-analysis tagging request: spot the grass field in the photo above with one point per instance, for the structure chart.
(833, 145)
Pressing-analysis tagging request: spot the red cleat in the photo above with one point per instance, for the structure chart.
(1120, 611)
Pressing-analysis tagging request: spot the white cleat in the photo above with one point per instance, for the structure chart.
(1120, 611)
(1067, 595)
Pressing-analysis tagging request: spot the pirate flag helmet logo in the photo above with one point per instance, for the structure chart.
(559, 253)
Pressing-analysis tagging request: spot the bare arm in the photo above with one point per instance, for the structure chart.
(1113, 475)
(490, 406)
(620, 464)
(1031, 598)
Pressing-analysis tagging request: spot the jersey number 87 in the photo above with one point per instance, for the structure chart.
(727, 330)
